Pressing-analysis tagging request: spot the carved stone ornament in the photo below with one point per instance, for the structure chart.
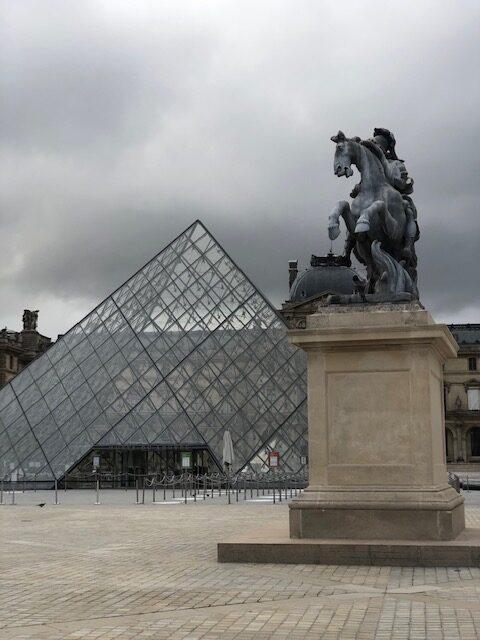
(299, 323)
(30, 320)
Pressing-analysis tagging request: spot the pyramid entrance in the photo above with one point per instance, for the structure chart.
(121, 466)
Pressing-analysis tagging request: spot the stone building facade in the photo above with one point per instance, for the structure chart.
(19, 348)
(462, 399)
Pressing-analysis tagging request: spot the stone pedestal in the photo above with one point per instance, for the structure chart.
(378, 492)
(376, 426)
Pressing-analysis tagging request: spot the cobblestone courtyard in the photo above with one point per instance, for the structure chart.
(121, 570)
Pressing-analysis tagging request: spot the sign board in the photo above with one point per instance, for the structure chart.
(303, 459)
(186, 459)
(273, 459)
(96, 462)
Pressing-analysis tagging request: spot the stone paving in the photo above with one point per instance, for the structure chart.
(124, 570)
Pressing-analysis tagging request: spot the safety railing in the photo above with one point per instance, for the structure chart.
(186, 487)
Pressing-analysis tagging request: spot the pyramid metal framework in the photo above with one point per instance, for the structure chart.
(183, 350)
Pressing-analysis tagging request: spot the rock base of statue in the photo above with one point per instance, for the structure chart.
(376, 438)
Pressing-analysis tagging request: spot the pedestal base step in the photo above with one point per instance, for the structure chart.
(272, 545)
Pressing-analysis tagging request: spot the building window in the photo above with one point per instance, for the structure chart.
(449, 445)
(473, 396)
(472, 364)
(475, 442)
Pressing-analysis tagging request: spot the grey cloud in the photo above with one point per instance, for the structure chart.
(74, 84)
(127, 121)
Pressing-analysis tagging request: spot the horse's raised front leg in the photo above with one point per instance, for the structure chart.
(364, 222)
(342, 209)
(378, 208)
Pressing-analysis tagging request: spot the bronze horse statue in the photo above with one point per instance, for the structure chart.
(377, 211)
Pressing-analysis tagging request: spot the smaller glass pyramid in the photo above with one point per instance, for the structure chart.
(185, 349)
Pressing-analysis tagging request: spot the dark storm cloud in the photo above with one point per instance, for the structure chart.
(124, 122)
(75, 82)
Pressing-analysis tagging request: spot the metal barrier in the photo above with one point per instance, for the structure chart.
(186, 486)
(279, 486)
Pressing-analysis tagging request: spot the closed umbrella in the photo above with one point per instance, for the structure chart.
(228, 455)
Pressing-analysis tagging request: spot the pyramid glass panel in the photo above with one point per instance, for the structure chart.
(184, 350)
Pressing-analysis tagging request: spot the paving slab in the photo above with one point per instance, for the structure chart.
(125, 571)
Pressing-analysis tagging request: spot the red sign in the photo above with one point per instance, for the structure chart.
(273, 458)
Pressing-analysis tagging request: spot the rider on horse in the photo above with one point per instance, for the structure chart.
(383, 142)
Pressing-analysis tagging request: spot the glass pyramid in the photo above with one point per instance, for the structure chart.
(183, 350)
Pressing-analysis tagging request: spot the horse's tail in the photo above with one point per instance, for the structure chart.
(394, 279)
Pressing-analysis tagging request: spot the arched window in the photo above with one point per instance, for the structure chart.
(449, 445)
(475, 442)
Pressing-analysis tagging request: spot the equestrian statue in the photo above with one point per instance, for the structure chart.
(381, 220)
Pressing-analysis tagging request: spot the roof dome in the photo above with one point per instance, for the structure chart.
(325, 275)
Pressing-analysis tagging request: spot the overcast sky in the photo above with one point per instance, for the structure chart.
(124, 121)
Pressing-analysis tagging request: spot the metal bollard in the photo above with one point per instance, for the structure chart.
(136, 492)
(244, 488)
(185, 488)
(143, 491)
(97, 489)
(1, 491)
(13, 493)
(56, 491)
(153, 490)
(204, 487)
(273, 487)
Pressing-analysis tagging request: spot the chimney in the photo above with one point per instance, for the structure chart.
(292, 272)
